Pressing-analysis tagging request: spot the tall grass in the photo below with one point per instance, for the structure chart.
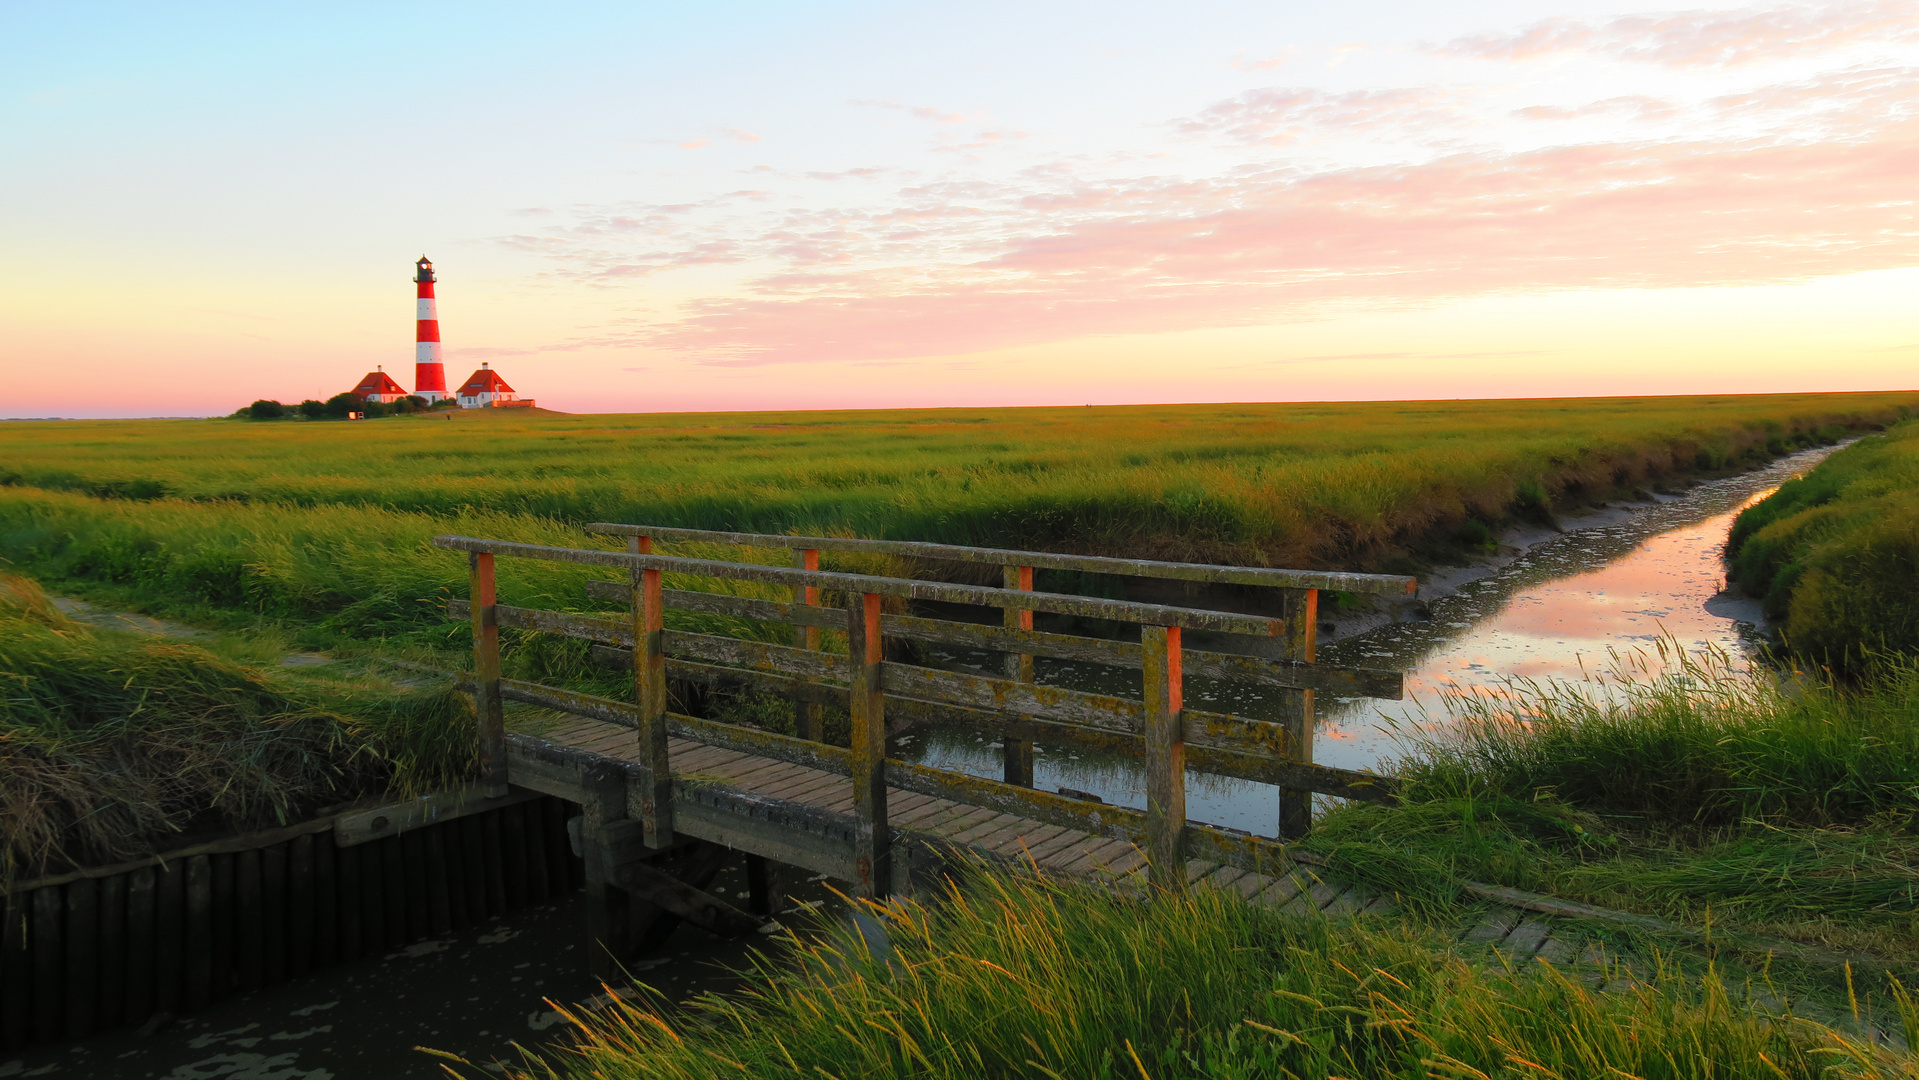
(1835, 554)
(1017, 976)
(1258, 484)
(1791, 806)
(110, 745)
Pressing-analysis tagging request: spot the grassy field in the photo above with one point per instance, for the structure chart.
(1836, 553)
(323, 524)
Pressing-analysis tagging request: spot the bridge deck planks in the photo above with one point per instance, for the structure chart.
(1007, 836)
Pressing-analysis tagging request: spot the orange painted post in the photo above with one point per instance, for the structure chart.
(1165, 757)
(649, 693)
(486, 667)
(807, 713)
(871, 860)
(1302, 631)
(1018, 753)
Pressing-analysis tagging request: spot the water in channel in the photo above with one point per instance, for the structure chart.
(1562, 610)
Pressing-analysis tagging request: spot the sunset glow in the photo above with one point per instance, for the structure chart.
(749, 207)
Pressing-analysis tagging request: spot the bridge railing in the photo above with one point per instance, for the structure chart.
(1156, 729)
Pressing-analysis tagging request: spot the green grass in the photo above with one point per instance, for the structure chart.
(324, 526)
(1704, 795)
(1014, 976)
(112, 744)
(1835, 554)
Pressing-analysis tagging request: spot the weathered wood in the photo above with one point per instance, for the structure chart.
(609, 929)
(793, 833)
(868, 706)
(1296, 803)
(113, 952)
(346, 863)
(513, 852)
(220, 961)
(1379, 584)
(250, 939)
(909, 588)
(765, 886)
(373, 899)
(701, 908)
(486, 665)
(738, 737)
(83, 958)
(169, 935)
(299, 955)
(48, 927)
(806, 635)
(141, 903)
(273, 914)
(559, 855)
(654, 781)
(226, 844)
(1262, 662)
(419, 918)
(533, 827)
(199, 944)
(326, 904)
(1165, 757)
(490, 868)
(16, 972)
(1016, 754)
(374, 823)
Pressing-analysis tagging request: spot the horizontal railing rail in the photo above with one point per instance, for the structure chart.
(881, 696)
(1377, 584)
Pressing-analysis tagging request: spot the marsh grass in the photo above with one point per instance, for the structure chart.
(1021, 976)
(1835, 554)
(323, 525)
(1702, 794)
(111, 743)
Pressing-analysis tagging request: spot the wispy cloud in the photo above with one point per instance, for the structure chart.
(1704, 38)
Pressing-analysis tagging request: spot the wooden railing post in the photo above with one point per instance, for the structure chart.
(1019, 667)
(1302, 633)
(486, 668)
(870, 855)
(649, 693)
(806, 713)
(1165, 757)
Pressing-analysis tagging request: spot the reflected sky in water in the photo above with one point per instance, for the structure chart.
(1557, 612)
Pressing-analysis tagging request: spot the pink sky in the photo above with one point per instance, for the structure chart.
(880, 209)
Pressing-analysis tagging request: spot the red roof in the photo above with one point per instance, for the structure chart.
(377, 382)
(485, 381)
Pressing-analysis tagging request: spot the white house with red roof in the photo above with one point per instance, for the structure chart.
(484, 389)
(378, 386)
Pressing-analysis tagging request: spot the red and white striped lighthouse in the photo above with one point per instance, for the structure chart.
(429, 375)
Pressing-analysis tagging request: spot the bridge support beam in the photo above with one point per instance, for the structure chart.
(868, 700)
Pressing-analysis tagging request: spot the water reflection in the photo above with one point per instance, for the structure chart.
(1553, 613)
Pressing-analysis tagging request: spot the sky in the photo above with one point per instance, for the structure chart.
(730, 205)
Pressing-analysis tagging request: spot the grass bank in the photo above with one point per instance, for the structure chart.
(1835, 554)
(1020, 977)
(1703, 795)
(112, 746)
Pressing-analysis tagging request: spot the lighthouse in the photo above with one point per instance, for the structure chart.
(429, 375)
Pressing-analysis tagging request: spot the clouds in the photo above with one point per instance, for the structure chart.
(1454, 190)
(1689, 39)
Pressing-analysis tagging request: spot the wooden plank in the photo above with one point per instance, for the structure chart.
(250, 935)
(169, 933)
(695, 905)
(651, 787)
(909, 588)
(533, 827)
(83, 958)
(1165, 757)
(1017, 754)
(199, 944)
(16, 972)
(48, 927)
(377, 822)
(326, 905)
(1296, 803)
(346, 865)
(808, 722)
(141, 912)
(299, 956)
(273, 908)
(486, 665)
(867, 700)
(1381, 584)
(113, 952)
(790, 833)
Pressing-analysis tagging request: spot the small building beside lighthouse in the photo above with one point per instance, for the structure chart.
(378, 386)
(484, 389)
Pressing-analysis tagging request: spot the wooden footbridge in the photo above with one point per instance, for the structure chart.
(667, 797)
